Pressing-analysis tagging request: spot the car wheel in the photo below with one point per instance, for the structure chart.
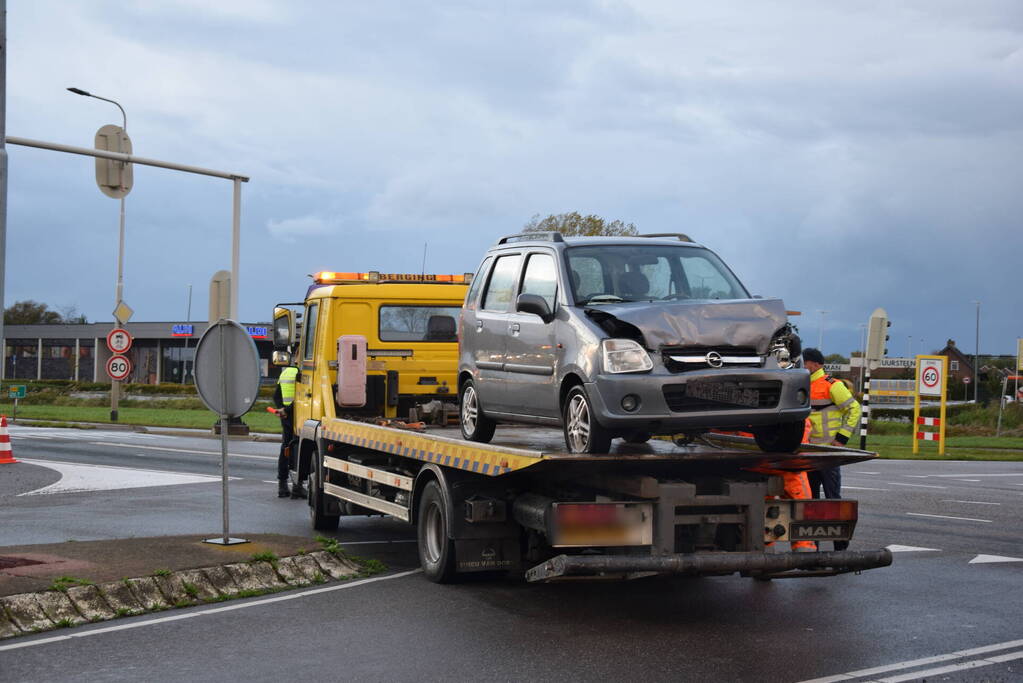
(475, 425)
(436, 550)
(583, 434)
(780, 438)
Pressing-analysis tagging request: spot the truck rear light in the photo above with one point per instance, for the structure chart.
(827, 510)
(601, 524)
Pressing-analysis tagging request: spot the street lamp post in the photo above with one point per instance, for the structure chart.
(976, 354)
(820, 336)
(115, 386)
(863, 353)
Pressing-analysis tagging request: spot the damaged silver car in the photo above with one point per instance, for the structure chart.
(625, 337)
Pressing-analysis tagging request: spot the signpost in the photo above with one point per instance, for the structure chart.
(16, 391)
(227, 379)
(931, 380)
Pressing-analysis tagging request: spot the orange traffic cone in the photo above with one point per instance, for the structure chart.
(6, 454)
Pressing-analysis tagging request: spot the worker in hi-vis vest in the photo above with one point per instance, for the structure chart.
(284, 399)
(834, 415)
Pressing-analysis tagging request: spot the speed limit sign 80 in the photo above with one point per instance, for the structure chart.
(118, 367)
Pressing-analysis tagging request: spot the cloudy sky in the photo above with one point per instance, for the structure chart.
(842, 156)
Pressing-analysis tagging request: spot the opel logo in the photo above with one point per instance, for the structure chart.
(714, 359)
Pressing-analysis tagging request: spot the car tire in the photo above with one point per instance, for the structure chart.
(318, 504)
(583, 434)
(475, 425)
(780, 438)
(436, 549)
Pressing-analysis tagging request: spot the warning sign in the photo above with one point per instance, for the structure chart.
(930, 374)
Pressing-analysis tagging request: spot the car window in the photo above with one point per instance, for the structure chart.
(501, 287)
(477, 284)
(310, 331)
(541, 278)
(587, 277)
(418, 323)
(705, 281)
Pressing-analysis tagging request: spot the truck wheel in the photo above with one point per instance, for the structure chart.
(583, 434)
(475, 425)
(317, 503)
(781, 438)
(436, 550)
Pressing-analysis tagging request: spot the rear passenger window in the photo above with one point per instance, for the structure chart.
(501, 289)
(477, 282)
(541, 278)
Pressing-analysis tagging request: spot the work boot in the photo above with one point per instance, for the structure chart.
(298, 491)
(282, 489)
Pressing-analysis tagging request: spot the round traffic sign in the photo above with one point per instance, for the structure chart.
(227, 369)
(118, 367)
(966, 380)
(118, 340)
(930, 377)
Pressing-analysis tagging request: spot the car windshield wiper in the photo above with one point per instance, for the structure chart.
(603, 299)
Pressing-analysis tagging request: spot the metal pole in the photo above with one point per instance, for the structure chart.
(188, 319)
(820, 336)
(3, 165)
(865, 413)
(235, 246)
(224, 419)
(976, 356)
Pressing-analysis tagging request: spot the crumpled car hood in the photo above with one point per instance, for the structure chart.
(744, 322)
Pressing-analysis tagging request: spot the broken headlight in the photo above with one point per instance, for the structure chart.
(625, 355)
(786, 347)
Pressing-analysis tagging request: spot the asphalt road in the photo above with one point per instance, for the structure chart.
(952, 599)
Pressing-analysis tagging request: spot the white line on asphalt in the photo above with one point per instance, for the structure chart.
(965, 474)
(971, 502)
(399, 540)
(937, 671)
(861, 488)
(181, 450)
(214, 610)
(974, 481)
(919, 486)
(862, 472)
(962, 519)
(899, 666)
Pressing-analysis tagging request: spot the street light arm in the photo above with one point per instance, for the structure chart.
(86, 93)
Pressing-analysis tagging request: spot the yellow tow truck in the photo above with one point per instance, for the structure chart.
(377, 352)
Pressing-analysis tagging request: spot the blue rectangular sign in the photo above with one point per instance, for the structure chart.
(257, 332)
(182, 330)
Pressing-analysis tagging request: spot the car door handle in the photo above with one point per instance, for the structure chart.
(479, 325)
(514, 328)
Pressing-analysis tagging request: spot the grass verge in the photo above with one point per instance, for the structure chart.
(150, 417)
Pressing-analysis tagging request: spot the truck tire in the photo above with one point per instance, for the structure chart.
(475, 425)
(317, 503)
(436, 550)
(780, 438)
(583, 434)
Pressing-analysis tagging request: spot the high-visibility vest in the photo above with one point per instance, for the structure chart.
(287, 384)
(834, 409)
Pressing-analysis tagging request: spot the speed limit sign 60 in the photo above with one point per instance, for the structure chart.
(931, 370)
(118, 367)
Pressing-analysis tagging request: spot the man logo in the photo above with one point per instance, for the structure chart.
(810, 532)
(714, 359)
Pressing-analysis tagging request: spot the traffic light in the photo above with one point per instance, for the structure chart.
(877, 335)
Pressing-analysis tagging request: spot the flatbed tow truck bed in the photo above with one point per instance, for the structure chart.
(522, 503)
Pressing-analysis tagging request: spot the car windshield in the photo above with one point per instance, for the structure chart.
(634, 272)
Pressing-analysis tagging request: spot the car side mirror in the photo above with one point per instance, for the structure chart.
(535, 304)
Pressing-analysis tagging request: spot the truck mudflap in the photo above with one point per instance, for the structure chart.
(756, 564)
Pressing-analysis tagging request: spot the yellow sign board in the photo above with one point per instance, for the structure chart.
(931, 380)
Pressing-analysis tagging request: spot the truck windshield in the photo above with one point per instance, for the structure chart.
(419, 323)
(633, 272)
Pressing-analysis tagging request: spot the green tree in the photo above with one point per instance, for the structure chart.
(836, 358)
(576, 224)
(30, 312)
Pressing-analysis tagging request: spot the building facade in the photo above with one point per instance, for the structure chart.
(160, 351)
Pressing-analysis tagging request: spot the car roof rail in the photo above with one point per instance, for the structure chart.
(682, 237)
(550, 236)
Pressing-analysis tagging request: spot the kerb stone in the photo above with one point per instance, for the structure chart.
(173, 589)
(7, 627)
(290, 572)
(202, 587)
(148, 593)
(265, 574)
(90, 603)
(120, 598)
(243, 576)
(58, 607)
(308, 566)
(221, 580)
(26, 613)
(333, 567)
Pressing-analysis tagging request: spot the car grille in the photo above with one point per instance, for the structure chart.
(683, 359)
(710, 396)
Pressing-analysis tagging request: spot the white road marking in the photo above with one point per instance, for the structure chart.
(214, 610)
(986, 559)
(971, 502)
(964, 474)
(862, 472)
(973, 481)
(937, 671)
(182, 450)
(901, 666)
(399, 540)
(76, 477)
(962, 519)
(861, 488)
(919, 486)
(911, 549)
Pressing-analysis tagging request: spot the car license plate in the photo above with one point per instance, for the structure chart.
(723, 392)
(820, 531)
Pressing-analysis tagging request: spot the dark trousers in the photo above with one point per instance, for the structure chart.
(287, 436)
(830, 479)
